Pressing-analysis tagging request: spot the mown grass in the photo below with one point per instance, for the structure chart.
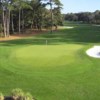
(53, 66)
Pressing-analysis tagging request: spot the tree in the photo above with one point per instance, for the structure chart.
(23, 14)
(55, 12)
(21, 4)
(85, 17)
(5, 6)
(97, 16)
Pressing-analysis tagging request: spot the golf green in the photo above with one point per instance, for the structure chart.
(46, 56)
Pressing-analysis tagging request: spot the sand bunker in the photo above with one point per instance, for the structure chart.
(66, 27)
(94, 52)
(96, 25)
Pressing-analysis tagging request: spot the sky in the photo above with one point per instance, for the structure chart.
(75, 6)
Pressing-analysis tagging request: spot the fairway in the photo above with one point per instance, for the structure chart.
(58, 70)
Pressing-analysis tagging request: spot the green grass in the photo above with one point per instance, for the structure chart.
(60, 70)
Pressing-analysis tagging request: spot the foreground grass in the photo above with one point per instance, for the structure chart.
(56, 70)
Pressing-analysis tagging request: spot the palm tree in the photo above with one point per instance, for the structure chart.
(6, 8)
(3, 7)
(21, 4)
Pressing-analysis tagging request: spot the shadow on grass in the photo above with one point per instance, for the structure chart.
(80, 34)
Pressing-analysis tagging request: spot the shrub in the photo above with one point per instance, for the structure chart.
(17, 94)
(1, 96)
(28, 96)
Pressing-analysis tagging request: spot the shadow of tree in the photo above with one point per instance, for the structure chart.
(81, 34)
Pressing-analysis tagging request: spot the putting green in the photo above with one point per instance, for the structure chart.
(49, 56)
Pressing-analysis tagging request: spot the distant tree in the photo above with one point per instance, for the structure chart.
(71, 17)
(97, 16)
(85, 17)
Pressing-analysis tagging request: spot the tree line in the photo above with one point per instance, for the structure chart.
(85, 17)
(18, 15)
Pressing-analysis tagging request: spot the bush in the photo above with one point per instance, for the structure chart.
(28, 96)
(1, 96)
(17, 94)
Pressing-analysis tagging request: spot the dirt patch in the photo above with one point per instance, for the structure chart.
(22, 35)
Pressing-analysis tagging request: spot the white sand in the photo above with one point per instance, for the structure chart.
(66, 27)
(94, 52)
(96, 25)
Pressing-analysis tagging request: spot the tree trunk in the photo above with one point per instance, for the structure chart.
(22, 19)
(12, 23)
(32, 24)
(4, 23)
(51, 17)
(19, 21)
(8, 22)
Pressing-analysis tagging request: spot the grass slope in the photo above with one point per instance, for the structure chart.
(58, 71)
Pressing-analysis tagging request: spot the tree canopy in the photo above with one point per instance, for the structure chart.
(85, 17)
(18, 15)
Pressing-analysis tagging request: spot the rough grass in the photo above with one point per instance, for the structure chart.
(60, 70)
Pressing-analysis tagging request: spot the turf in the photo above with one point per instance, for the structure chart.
(53, 66)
